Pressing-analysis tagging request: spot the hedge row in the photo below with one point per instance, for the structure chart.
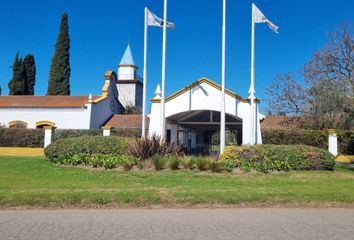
(86, 146)
(315, 138)
(265, 158)
(68, 133)
(17, 137)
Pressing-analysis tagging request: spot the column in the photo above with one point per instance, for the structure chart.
(106, 131)
(332, 142)
(48, 130)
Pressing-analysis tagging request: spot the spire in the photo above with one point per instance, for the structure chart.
(158, 92)
(127, 58)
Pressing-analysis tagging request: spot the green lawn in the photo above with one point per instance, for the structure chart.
(36, 182)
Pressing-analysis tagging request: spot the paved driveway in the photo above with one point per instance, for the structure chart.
(178, 224)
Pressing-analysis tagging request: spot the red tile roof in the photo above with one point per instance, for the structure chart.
(126, 121)
(281, 122)
(44, 101)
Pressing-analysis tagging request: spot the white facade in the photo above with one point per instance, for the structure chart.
(190, 108)
(91, 114)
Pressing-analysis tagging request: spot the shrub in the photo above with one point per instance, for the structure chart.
(86, 145)
(186, 162)
(173, 163)
(17, 137)
(266, 158)
(70, 133)
(159, 162)
(228, 165)
(128, 166)
(126, 132)
(315, 138)
(202, 163)
(146, 148)
(215, 166)
(96, 160)
(346, 142)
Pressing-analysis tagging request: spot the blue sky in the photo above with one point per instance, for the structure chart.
(100, 31)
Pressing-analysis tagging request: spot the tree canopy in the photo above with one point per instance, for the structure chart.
(326, 99)
(59, 75)
(24, 76)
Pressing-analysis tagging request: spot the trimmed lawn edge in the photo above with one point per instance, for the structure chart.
(185, 206)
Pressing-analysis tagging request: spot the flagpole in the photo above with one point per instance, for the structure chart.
(162, 128)
(222, 116)
(252, 128)
(143, 127)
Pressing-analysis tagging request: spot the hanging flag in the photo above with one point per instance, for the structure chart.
(155, 21)
(260, 18)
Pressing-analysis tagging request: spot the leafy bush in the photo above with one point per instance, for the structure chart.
(228, 165)
(346, 142)
(146, 148)
(86, 145)
(17, 137)
(266, 158)
(173, 163)
(126, 132)
(159, 162)
(315, 138)
(70, 133)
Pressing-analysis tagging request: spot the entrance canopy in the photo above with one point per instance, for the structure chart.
(203, 119)
(197, 108)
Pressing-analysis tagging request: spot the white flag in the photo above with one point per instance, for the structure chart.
(155, 21)
(260, 18)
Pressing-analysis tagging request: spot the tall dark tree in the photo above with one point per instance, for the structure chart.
(29, 66)
(17, 84)
(59, 75)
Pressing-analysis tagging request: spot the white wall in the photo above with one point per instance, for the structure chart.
(74, 118)
(126, 94)
(204, 97)
(126, 73)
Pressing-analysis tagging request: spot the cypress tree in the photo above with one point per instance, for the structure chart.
(59, 75)
(17, 84)
(29, 66)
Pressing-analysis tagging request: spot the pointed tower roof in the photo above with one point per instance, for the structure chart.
(127, 58)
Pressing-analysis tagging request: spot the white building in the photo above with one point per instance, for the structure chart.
(130, 85)
(192, 113)
(76, 112)
(65, 112)
(193, 116)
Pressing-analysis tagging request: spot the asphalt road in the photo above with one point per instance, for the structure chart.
(167, 224)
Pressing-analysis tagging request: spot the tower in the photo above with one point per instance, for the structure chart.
(130, 86)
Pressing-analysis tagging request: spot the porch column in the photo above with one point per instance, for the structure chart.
(185, 137)
(174, 134)
(194, 139)
(106, 131)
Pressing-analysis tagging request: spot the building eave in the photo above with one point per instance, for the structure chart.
(200, 81)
